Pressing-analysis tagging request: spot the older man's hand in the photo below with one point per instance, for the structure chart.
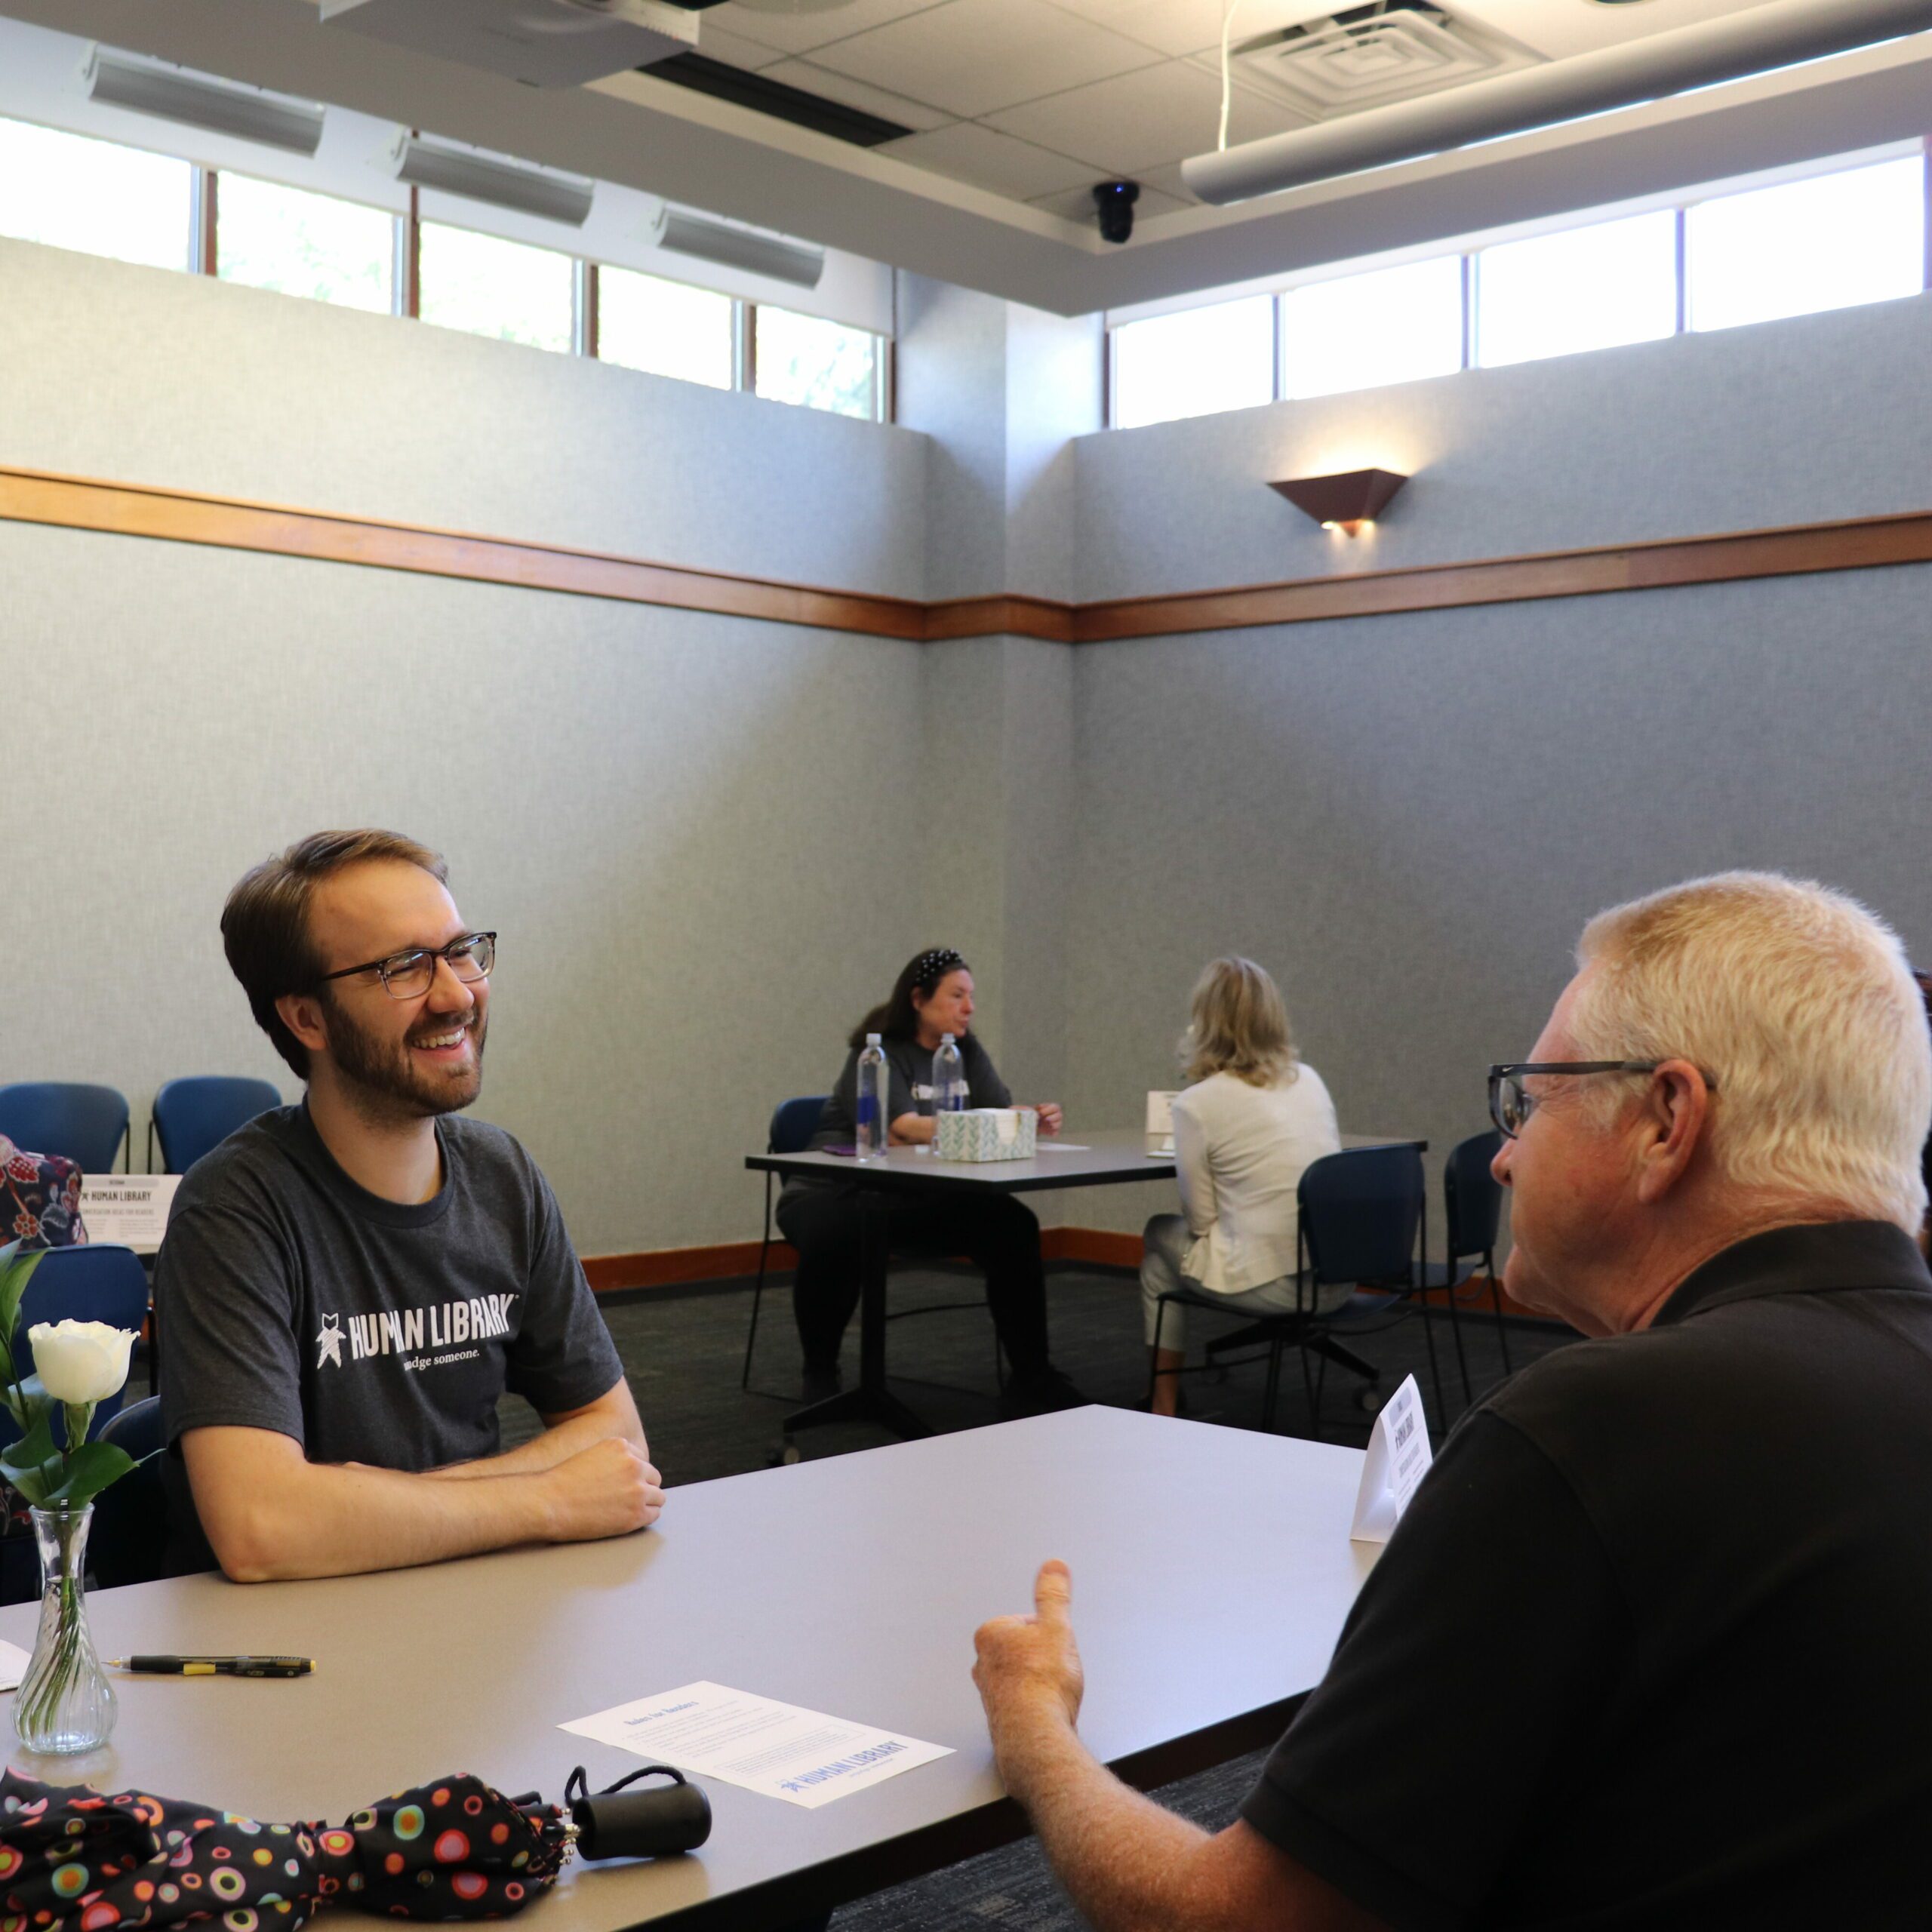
(1028, 1673)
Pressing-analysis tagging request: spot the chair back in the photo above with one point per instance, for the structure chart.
(129, 1544)
(66, 1117)
(1360, 1210)
(793, 1124)
(99, 1282)
(194, 1115)
(1472, 1196)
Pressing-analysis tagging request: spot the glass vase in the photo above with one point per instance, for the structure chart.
(65, 1702)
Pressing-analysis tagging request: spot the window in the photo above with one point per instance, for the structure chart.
(95, 196)
(1396, 325)
(491, 287)
(1823, 243)
(665, 327)
(272, 237)
(1583, 288)
(824, 365)
(1194, 363)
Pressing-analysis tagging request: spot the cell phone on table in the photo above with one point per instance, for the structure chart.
(848, 1147)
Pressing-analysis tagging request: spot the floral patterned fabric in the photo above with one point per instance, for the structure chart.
(40, 1198)
(76, 1861)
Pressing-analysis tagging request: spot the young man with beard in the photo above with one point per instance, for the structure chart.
(348, 1285)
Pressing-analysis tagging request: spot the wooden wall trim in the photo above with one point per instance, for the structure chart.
(181, 516)
(675, 1267)
(1862, 543)
(127, 510)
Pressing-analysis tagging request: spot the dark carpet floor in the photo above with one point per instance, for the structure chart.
(684, 1353)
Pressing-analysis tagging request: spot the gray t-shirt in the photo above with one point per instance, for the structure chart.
(289, 1298)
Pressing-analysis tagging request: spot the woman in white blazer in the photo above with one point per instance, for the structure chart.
(1252, 1117)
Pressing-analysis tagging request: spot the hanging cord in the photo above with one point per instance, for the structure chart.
(1228, 9)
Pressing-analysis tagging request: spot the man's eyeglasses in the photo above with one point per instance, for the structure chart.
(410, 975)
(1511, 1103)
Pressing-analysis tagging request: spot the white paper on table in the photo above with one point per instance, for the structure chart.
(1062, 1147)
(1398, 1458)
(130, 1209)
(779, 1750)
(14, 1661)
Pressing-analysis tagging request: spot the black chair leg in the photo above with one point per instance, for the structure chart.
(1274, 1382)
(1434, 1368)
(1327, 1345)
(1462, 1360)
(757, 1293)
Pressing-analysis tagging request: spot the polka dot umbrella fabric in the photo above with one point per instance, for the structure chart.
(73, 1859)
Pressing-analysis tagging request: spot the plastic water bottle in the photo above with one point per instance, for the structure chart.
(873, 1087)
(948, 1079)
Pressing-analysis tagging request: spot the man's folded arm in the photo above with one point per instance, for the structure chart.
(270, 1513)
(613, 1415)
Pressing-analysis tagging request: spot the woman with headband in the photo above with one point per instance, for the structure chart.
(932, 996)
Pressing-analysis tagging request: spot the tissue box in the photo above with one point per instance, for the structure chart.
(987, 1134)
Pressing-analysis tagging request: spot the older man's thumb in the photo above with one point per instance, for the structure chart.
(1052, 1588)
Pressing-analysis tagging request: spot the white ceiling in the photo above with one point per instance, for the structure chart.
(1017, 107)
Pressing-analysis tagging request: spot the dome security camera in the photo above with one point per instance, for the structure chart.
(1115, 201)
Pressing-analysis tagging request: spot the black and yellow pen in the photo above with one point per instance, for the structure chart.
(215, 1666)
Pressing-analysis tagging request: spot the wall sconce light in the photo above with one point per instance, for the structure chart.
(1346, 501)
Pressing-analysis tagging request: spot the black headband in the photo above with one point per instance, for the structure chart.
(931, 967)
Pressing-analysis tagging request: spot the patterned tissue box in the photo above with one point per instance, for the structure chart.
(987, 1134)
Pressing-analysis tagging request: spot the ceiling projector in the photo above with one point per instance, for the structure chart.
(544, 43)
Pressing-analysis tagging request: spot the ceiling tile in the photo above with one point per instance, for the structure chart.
(715, 44)
(1077, 204)
(841, 87)
(968, 152)
(1190, 26)
(1138, 121)
(798, 32)
(1556, 32)
(971, 57)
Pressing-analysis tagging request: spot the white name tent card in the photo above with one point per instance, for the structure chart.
(14, 1661)
(779, 1750)
(1398, 1458)
(1161, 1121)
(130, 1209)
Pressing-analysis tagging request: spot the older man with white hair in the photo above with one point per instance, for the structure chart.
(1651, 1647)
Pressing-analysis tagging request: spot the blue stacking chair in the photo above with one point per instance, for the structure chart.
(1361, 1212)
(97, 1282)
(195, 1116)
(129, 1544)
(1472, 1204)
(80, 1123)
(793, 1124)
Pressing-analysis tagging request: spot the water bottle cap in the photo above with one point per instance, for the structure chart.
(946, 1039)
(871, 1039)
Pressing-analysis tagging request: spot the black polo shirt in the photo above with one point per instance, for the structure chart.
(1653, 1645)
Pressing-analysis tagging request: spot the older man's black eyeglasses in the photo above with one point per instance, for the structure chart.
(410, 975)
(1511, 1104)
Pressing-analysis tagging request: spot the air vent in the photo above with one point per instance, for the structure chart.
(219, 105)
(728, 246)
(503, 184)
(1368, 57)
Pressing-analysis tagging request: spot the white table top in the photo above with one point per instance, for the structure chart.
(1212, 1571)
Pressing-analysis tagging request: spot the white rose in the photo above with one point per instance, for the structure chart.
(80, 1361)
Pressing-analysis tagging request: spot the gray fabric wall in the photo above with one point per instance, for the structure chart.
(1409, 818)
(708, 843)
(671, 817)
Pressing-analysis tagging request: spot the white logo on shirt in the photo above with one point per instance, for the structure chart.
(329, 1341)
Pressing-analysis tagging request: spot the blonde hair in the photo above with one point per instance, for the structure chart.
(1799, 1004)
(1240, 1026)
